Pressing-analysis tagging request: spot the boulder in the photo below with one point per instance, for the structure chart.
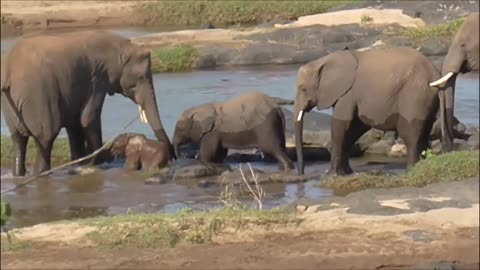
(434, 46)
(458, 145)
(397, 150)
(473, 142)
(194, 169)
(381, 147)
(459, 130)
(369, 138)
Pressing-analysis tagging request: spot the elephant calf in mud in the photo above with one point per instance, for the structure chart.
(140, 152)
(247, 121)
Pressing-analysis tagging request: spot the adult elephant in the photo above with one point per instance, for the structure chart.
(462, 57)
(247, 121)
(61, 80)
(386, 89)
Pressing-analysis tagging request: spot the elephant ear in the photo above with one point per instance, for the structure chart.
(203, 122)
(334, 78)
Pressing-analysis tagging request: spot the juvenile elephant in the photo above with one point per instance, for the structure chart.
(140, 152)
(462, 57)
(386, 89)
(61, 80)
(250, 120)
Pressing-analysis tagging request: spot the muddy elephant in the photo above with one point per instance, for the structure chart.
(247, 121)
(140, 152)
(462, 57)
(56, 81)
(386, 89)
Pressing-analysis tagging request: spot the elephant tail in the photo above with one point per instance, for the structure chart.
(281, 101)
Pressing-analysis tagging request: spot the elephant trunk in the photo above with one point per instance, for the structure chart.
(149, 114)
(449, 118)
(299, 139)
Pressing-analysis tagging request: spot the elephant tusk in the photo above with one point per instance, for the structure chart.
(142, 114)
(442, 80)
(145, 120)
(300, 114)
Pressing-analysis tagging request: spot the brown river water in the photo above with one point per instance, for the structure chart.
(114, 191)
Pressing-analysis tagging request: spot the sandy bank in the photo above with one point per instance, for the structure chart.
(357, 16)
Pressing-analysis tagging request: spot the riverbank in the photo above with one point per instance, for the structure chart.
(407, 228)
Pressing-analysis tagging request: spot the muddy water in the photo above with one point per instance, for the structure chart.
(114, 191)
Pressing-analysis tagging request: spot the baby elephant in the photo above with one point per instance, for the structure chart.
(140, 152)
(248, 121)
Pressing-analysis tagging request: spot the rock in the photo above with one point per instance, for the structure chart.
(398, 150)
(458, 145)
(192, 169)
(398, 42)
(434, 46)
(302, 208)
(235, 177)
(471, 130)
(459, 130)
(79, 170)
(207, 26)
(370, 137)
(390, 136)
(155, 180)
(381, 147)
(473, 142)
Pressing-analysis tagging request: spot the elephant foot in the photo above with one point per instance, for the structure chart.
(286, 166)
(340, 171)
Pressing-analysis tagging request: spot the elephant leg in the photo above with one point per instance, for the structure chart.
(20, 143)
(93, 135)
(414, 134)
(275, 147)
(76, 141)
(44, 153)
(210, 149)
(344, 134)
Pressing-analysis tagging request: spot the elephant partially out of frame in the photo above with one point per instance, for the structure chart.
(60, 80)
(462, 57)
(386, 89)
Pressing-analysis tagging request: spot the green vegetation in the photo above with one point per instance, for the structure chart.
(187, 226)
(444, 30)
(6, 212)
(178, 58)
(60, 153)
(366, 19)
(453, 166)
(195, 12)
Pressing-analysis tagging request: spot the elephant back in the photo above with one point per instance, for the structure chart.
(245, 112)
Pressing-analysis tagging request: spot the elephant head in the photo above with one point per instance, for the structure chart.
(321, 83)
(192, 125)
(121, 141)
(134, 80)
(462, 57)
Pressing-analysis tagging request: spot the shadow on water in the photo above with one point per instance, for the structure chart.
(114, 191)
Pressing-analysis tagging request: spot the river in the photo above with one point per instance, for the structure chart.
(115, 191)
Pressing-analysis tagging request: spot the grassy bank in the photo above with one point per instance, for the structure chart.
(172, 229)
(444, 30)
(174, 59)
(451, 166)
(224, 13)
(60, 154)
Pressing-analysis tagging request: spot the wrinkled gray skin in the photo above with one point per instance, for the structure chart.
(386, 89)
(248, 121)
(61, 80)
(462, 57)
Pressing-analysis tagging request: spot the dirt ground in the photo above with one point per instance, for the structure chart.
(20, 17)
(399, 228)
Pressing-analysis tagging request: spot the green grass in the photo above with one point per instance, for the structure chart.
(187, 226)
(451, 166)
(444, 30)
(60, 153)
(230, 12)
(178, 58)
